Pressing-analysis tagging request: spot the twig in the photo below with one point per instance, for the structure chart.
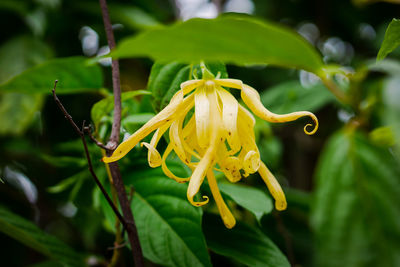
(88, 130)
(82, 136)
(114, 140)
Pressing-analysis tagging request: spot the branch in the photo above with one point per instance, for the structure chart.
(88, 130)
(114, 138)
(82, 136)
(113, 142)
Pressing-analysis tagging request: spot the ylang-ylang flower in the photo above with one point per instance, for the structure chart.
(219, 136)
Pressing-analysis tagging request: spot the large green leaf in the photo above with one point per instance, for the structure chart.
(356, 216)
(29, 234)
(17, 110)
(20, 53)
(391, 40)
(252, 199)
(169, 226)
(73, 74)
(232, 39)
(292, 96)
(243, 243)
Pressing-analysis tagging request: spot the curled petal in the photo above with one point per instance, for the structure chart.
(166, 115)
(231, 168)
(223, 209)
(202, 115)
(273, 187)
(251, 161)
(198, 176)
(153, 157)
(167, 171)
(206, 163)
(230, 108)
(251, 97)
(231, 83)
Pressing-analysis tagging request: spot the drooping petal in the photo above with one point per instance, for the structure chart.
(198, 176)
(166, 115)
(223, 209)
(165, 168)
(231, 83)
(251, 98)
(190, 85)
(249, 155)
(189, 142)
(209, 157)
(251, 161)
(273, 187)
(230, 108)
(176, 136)
(176, 140)
(231, 166)
(153, 156)
(202, 115)
(247, 118)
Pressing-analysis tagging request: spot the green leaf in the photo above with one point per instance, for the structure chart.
(29, 234)
(132, 17)
(17, 111)
(252, 199)
(355, 215)
(169, 226)
(104, 107)
(20, 53)
(391, 40)
(68, 182)
(231, 39)
(243, 243)
(73, 74)
(292, 96)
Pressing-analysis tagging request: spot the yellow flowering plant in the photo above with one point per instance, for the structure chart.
(218, 136)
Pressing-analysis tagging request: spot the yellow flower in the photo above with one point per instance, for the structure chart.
(218, 136)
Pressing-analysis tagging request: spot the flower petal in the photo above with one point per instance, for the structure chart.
(190, 85)
(273, 187)
(202, 115)
(165, 168)
(223, 209)
(230, 108)
(198, 176)
(208, 160)
(231, 166)
(165, 115)
(153, 157)
(231, 83)
(251, 97)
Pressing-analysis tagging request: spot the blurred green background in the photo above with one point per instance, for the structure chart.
(342, 184)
